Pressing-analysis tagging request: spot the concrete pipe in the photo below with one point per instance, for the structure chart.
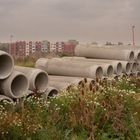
(135, 49)
(134, 67)
(57, 66)
(51, 91)
(107, 68)
(38, 79)
(5, 98)
(131, 75)
(117, 66)
(74, 80)
(15, 86)
(137, 74)
(60, 86)
(137, 56)
(6, 65)
(138, 66)
(104, 53)
(126, 67)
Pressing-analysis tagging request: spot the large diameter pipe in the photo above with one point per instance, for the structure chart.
(72, 80)
(68, 68)
(51, 91)
(15, 86)
(60, 86)
(104, 53)
(5, 98)
(138, 66)
(117, 66)
(107, 68)
(137, 74)
(6, 65)
(134, 67)
(38, 79)
(135, 49)
(126, 67)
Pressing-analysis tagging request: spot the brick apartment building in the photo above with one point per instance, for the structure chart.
(64, 47)
(23, 48)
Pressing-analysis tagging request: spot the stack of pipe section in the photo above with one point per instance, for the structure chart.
(91, 62)
(111, 53)
(58, 66)
(66, 82)
(16, 81)
(128, 56)
(63, 73)
(13, 84)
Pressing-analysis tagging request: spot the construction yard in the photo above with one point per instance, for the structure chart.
(94, 95)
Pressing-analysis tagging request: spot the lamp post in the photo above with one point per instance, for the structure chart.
(133, 34)
(10, 46)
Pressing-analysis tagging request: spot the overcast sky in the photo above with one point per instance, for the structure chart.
(57, 20)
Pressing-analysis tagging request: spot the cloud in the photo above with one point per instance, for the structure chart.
(90, 20)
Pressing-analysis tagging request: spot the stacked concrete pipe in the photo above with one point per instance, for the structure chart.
(15, 86)
(117, 66)
(6, 65)
(60, 86)
(135, 49)
(5, 98)
(38, 79)
(57, 66)
(51, 91)
(138, 67)
(107, 68)
(134, 67)
(137, 74)
(71, 80)
(126, 67)
(104, 53)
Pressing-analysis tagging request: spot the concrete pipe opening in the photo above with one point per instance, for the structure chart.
(131, 75)
(131, 56)
(99, 72)
(19, 86)
(128, 68)
(134, 67)
(138, 74)
(110, 71)
(119, 68)
(138, 58)
(5, 98)
(6, 66)
(41, 81)
(53, 92)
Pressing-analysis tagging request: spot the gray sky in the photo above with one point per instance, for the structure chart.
(84, 20)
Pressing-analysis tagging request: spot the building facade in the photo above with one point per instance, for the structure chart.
(24, 48)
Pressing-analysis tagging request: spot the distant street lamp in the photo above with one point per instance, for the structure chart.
(133, 34)
(10, 46)
(11, 37)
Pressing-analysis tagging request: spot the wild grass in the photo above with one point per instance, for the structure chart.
(106, 110)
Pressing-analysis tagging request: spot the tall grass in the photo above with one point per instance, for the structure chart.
(107, 110)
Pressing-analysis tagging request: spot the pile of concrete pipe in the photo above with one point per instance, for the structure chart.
(128, 56)
(16, 81)
(52, 75)
(91, 62)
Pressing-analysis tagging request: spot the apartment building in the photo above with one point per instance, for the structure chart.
(24, 48)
